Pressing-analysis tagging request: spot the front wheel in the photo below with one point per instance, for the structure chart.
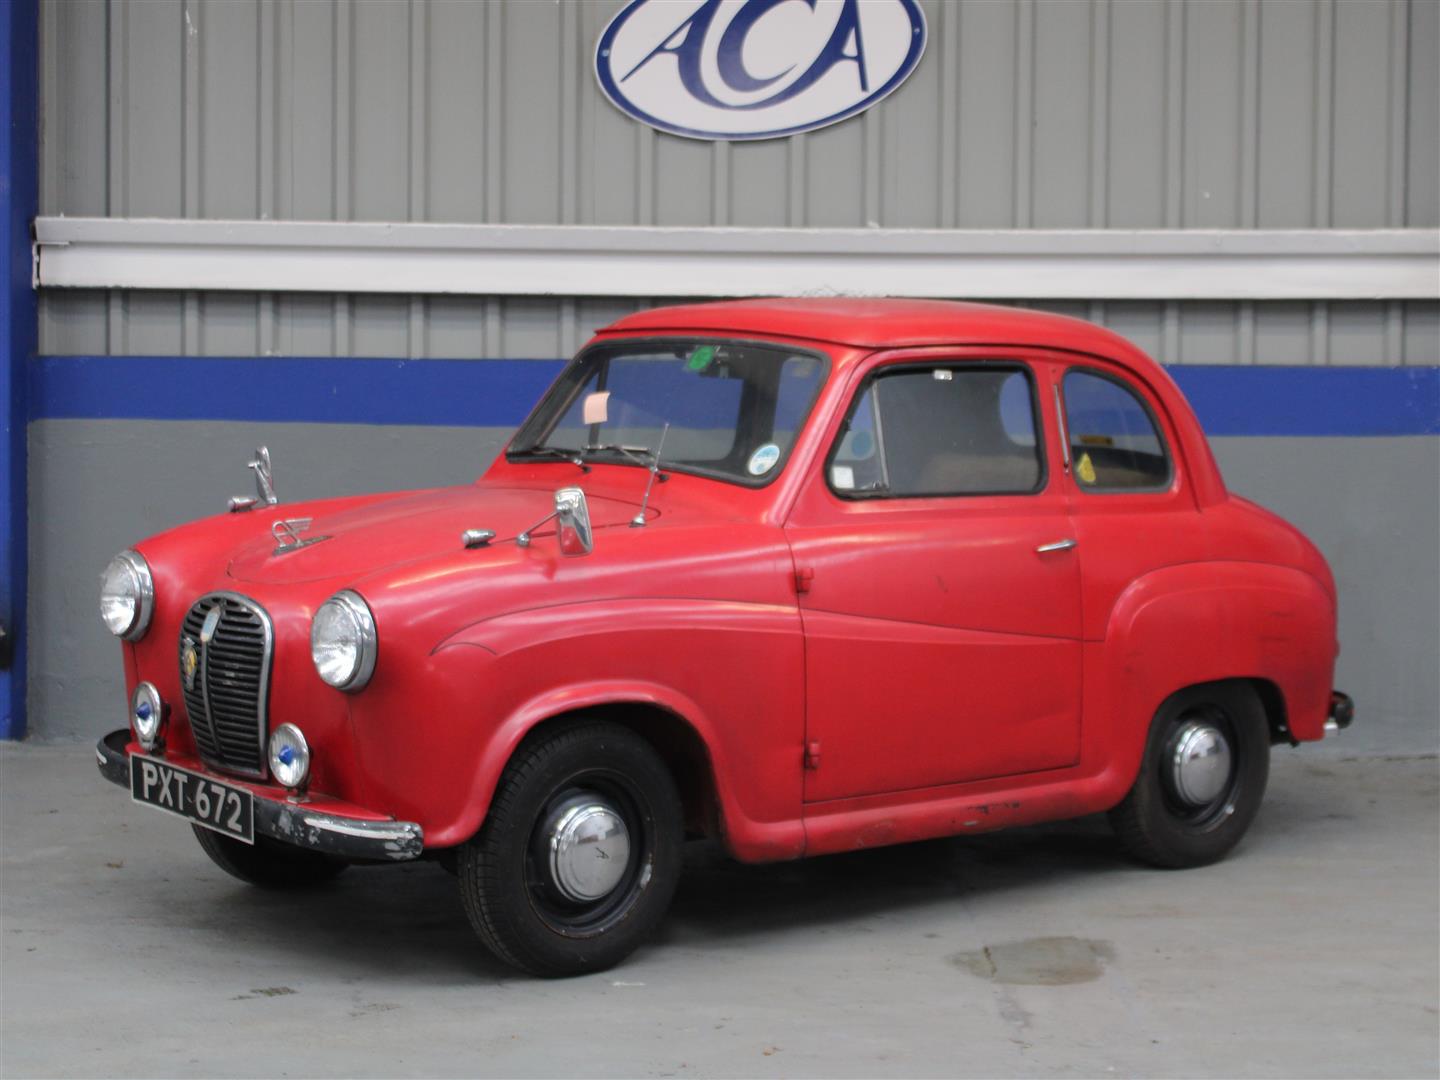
(268, 863)
(580, 852)
(1206, 763)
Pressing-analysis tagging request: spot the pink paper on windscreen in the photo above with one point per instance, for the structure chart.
(597, 407)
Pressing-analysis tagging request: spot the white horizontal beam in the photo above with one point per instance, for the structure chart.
(365, 257)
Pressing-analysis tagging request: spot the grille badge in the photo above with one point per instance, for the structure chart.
(189, 661)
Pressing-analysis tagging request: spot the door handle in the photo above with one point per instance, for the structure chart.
(1057, 545)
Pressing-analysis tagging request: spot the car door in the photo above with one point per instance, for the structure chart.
(938, 586)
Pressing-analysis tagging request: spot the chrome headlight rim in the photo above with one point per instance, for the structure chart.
(288, 736)
(149, 727)
(353, 606)
(142, 581)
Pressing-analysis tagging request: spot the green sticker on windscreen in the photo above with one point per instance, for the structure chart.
(700, 358)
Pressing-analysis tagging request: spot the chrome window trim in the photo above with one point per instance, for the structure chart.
(1064, 430)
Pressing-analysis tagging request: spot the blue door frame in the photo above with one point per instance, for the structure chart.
(19, 178)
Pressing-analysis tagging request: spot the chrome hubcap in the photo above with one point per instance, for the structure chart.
(1199, 763)
(588, 847)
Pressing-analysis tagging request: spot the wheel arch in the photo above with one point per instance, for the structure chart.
(670, 722)
(679, 745)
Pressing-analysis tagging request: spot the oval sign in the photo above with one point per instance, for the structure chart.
(756, 69)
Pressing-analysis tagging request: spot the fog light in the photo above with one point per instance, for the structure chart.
(289, 757)
(147, 714)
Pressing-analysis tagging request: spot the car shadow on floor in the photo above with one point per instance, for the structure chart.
(413, 927)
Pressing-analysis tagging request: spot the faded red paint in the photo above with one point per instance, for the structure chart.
(753, 616)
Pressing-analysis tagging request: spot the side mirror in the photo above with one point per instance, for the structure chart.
(572, 520)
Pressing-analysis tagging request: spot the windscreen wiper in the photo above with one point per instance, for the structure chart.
(651, 459)
(559, 453)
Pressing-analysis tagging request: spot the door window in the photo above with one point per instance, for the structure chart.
(940, 430)
(1115, 444)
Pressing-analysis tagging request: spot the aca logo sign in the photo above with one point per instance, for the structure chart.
(756, 69)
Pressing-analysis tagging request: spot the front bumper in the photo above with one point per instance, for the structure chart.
(326, 833)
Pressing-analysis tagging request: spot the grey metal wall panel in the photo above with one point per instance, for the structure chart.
(1106, 113)
(73, 95)
(1421, 188)
(1138, 110)
(1023, 113)
(83, 322)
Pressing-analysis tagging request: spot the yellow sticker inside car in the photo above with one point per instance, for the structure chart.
(1085, 469)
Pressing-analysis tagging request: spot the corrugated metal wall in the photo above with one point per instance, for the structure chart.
(1024, 113)
(247, 324)
(1043, 113)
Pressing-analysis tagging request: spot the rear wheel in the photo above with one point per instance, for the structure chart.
(267, 863)
(580, 852)
(1207, 760)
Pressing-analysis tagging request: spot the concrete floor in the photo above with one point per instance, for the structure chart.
(1311, 952)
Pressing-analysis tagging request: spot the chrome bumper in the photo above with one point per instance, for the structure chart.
(327, 834)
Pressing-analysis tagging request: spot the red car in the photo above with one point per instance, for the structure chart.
(802, 575)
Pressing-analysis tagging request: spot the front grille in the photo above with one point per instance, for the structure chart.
(226, 699)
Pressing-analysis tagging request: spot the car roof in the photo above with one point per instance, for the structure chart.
(874, 323)
(881, 323)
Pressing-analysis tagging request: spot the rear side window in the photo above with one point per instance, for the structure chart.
(1114, 442)
(928, 431)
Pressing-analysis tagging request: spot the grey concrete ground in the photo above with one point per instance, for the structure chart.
(1311, 952)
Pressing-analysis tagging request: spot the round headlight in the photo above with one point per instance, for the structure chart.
(342, 641)
(127, 595)
(289, 757)
(147, 714)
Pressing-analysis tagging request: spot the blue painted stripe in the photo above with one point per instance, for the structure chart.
(1230, 400)
(301, 390)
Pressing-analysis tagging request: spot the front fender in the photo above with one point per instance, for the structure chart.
(744, 836)
(436, 732)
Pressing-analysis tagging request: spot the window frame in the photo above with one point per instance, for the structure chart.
(1037, 414)
(675, 340)
(1069, 429)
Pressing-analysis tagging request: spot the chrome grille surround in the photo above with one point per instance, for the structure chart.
(228, 703)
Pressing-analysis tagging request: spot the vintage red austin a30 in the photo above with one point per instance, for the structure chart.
(800, 575)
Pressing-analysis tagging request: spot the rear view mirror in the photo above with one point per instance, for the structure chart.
(572, 519)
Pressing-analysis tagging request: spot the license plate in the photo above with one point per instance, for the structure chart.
(225, 809)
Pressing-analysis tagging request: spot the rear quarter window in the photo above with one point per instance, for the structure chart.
(1115, 443)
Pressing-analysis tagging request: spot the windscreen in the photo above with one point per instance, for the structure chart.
(726, 409)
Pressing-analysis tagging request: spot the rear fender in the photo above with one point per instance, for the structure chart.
(1204, 622)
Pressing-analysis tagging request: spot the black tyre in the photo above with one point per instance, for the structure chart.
(268, 863)
(1207, 759)
(579, 855)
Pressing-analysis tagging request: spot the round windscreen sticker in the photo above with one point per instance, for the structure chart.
(764, 459)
